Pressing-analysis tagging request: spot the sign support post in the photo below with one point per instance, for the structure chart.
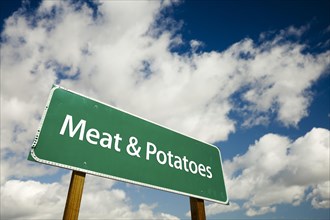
(197, 209)
(73, 199)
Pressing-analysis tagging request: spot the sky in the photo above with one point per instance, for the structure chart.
(251, 77)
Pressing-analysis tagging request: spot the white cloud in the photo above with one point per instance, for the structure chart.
(31, 200)
(35, 200)
(260, 211)
(276, 170)
(195, 45)
(101, 200)
(128, 58)
(19, 167)
(320, 195)
(216, 208)
(278, 77)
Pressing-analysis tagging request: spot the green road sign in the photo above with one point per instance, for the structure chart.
(83, 134)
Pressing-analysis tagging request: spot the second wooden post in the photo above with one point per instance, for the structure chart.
(197, 209)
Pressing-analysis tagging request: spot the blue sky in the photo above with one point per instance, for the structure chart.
(251, 77)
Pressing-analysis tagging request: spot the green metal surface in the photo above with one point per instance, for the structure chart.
(87, 151)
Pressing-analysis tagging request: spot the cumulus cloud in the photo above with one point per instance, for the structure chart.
(31, 199)
(19, 167)
(320, 195)
(132, 66)
(214, 209)
(35, 200)
(125, 54)
(260, 211)
(276, 170)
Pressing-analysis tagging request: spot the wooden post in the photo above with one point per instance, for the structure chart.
(73, 199)
(197, 209)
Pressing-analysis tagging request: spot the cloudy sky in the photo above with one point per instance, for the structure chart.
(251, 77)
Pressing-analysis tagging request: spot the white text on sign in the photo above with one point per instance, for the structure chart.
(106, 140)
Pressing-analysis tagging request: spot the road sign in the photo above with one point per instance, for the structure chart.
(83, 134)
